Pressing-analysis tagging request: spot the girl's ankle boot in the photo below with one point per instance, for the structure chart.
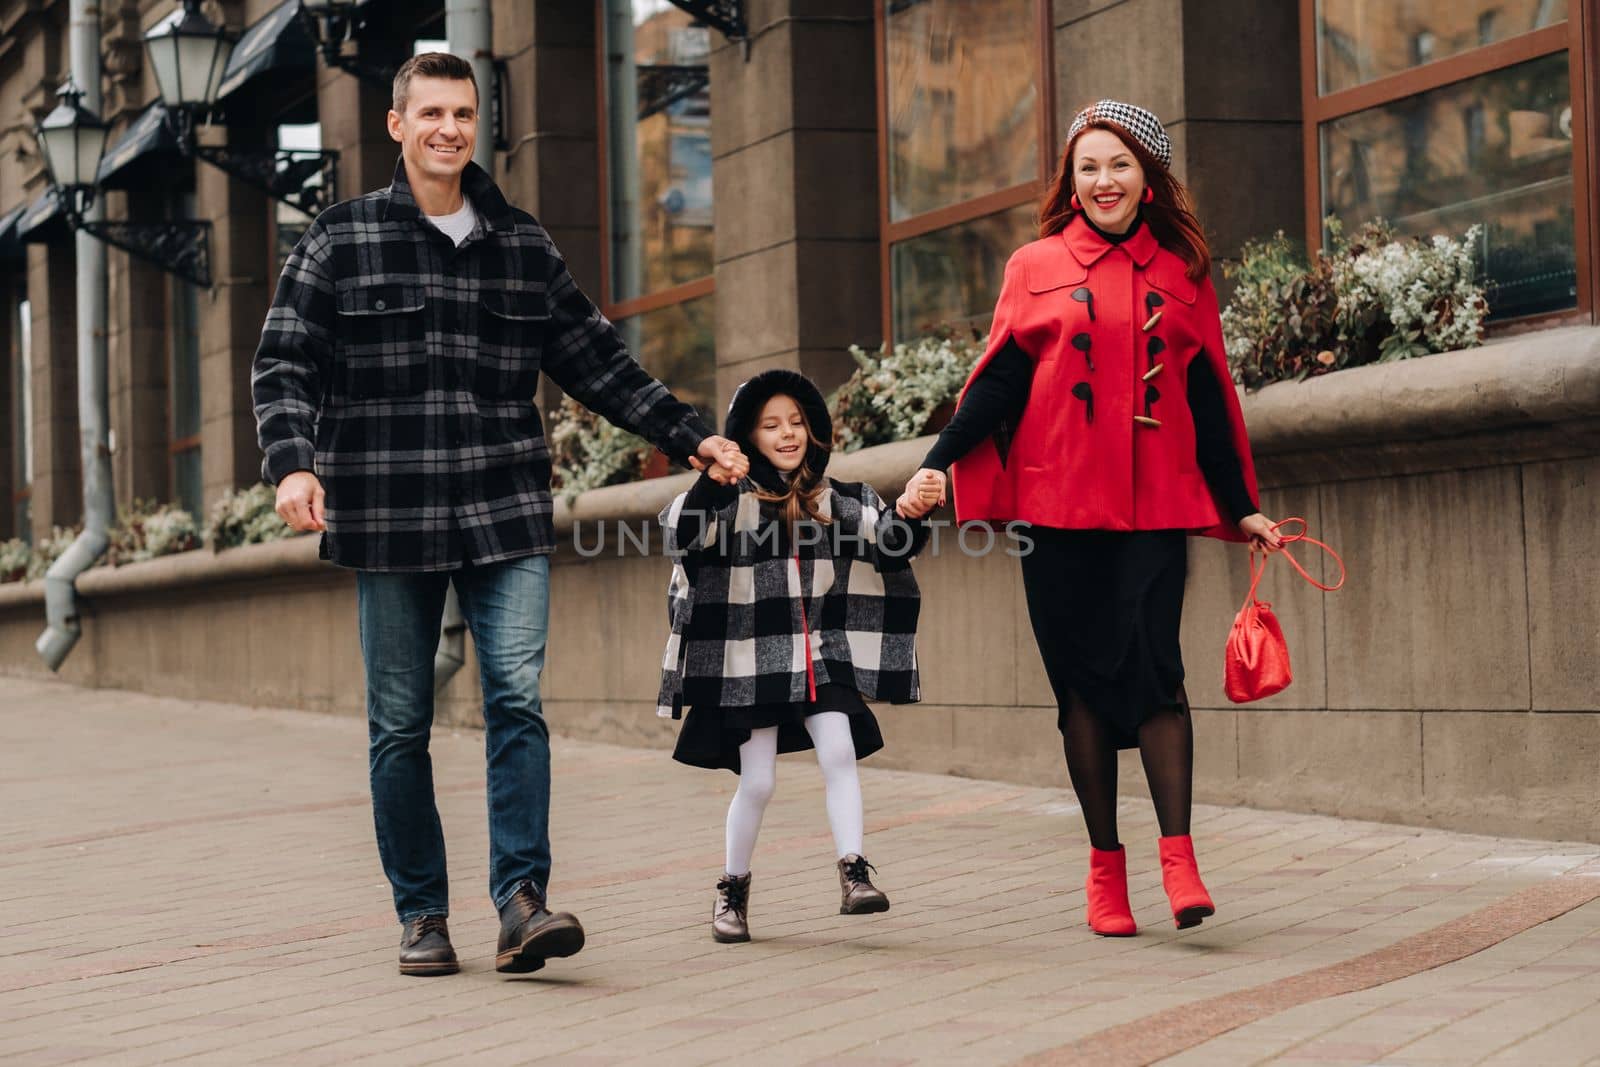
(1181, 877)
(1107, 890)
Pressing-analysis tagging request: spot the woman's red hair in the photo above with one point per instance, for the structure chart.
(1170, 215)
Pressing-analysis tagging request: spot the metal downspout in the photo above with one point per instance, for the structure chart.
(469, 29)
(64, 626)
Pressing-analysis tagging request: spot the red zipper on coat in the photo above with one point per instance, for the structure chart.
(805, 630)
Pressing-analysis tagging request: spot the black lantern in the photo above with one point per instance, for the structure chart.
(188, 54)
(72, 139)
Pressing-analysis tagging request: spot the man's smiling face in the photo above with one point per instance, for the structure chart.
(439, 127)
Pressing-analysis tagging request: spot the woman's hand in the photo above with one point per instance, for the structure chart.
(1259, 529)
(723, 460)
(924, 492)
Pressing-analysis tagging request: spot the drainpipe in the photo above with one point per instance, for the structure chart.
(469, 29)
(61, 597)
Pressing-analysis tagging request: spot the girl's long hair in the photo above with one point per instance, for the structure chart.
(1170, 215)
(799, 499)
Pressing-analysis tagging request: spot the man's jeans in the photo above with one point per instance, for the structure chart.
(507, 608)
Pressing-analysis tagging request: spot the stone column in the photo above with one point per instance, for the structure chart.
(795, 176)
(57, 468)
(10, 406)
(137, 346)
(1228, 114)
(231, 315)
(352, 113)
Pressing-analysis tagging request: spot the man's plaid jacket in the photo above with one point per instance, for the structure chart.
(401, 370)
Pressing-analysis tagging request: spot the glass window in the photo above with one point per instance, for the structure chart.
(22, 421)
(1362, 40)
(658, 160)
(952, 276)
(677, 345)
(290, 222)
(962, 87)
(1495, 149)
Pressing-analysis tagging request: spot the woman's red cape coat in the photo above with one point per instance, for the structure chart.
(1065, 470)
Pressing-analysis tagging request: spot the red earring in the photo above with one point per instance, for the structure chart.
(1149, 195)
(1075, 205)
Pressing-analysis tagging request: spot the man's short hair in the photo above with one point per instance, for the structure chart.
(430, 65)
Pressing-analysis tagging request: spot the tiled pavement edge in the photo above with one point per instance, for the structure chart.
(197, 883)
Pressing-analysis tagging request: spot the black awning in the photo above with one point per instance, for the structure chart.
(43, 221)
(146, 146)
(277, 44)
(10, 244)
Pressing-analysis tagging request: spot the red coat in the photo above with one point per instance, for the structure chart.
(1111, 472)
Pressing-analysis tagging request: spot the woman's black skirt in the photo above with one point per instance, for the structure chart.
(711, 737)
(1106, 607)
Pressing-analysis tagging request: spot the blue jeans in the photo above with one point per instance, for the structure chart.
(507, 608)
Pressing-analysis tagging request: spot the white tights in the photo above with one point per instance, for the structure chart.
(758, 777)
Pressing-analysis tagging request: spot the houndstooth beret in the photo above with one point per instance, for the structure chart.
(1140, 124)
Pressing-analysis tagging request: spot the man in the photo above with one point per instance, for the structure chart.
(394, 399)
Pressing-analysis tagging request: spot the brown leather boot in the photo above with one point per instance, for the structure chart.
(529, 934)
(730, 916)
(425, 948)
(858, 896)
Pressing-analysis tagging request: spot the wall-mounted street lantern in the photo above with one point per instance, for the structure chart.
(189, 55)
(333, 22)
(72, 139)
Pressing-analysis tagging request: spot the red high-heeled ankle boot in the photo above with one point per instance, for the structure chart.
(1107, 889)
(1180, 876)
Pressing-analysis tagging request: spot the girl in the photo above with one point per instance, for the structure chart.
(791, 599)
(1103, 412)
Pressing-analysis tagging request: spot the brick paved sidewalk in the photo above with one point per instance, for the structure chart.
(197, 883)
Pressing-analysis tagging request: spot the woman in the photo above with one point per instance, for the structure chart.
(1102, 412)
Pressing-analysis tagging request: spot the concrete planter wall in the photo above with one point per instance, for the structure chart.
(1455, 681)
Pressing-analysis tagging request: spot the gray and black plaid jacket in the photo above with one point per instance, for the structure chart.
(401, 370)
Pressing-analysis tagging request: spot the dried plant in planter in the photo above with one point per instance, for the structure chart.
(15, 556)
(245, 517)
(1369, 298)
(587, 452)
(903, 393)
(145, 530)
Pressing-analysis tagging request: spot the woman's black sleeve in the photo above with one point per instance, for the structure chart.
(998, 395)
(1213, 441)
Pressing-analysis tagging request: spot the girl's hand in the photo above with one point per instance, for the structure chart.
(1259, 529)
(924, 492)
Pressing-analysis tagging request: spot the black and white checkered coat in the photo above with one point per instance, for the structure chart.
(749, 603)
(401, 370)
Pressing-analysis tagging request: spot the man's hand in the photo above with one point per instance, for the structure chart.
(924, 492)
(300, 502)
(726, 463)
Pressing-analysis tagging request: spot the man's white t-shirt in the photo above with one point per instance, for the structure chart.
(457, 224)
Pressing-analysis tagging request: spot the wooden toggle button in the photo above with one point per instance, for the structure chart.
(1145, 420)
(1153, 371)
(1152, 323)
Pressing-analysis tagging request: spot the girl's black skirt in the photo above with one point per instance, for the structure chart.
(710, 737)
(1106, 607)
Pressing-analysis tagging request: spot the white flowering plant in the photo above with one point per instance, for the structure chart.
(146, 529)
(895, 393)
(587, 452)
(1371, 297)
(245, 517)
(15, 556)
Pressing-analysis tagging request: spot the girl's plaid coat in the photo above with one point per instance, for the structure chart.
(752, 605)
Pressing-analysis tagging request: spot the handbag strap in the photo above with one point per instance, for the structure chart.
(1289, 539)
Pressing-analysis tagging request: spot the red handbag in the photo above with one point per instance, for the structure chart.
(1255, 662)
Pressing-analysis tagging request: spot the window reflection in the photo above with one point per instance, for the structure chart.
(659, 158)
(962, 84)
(677, 344)
(1496, 149)
(952, 276)
(1362, 40)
